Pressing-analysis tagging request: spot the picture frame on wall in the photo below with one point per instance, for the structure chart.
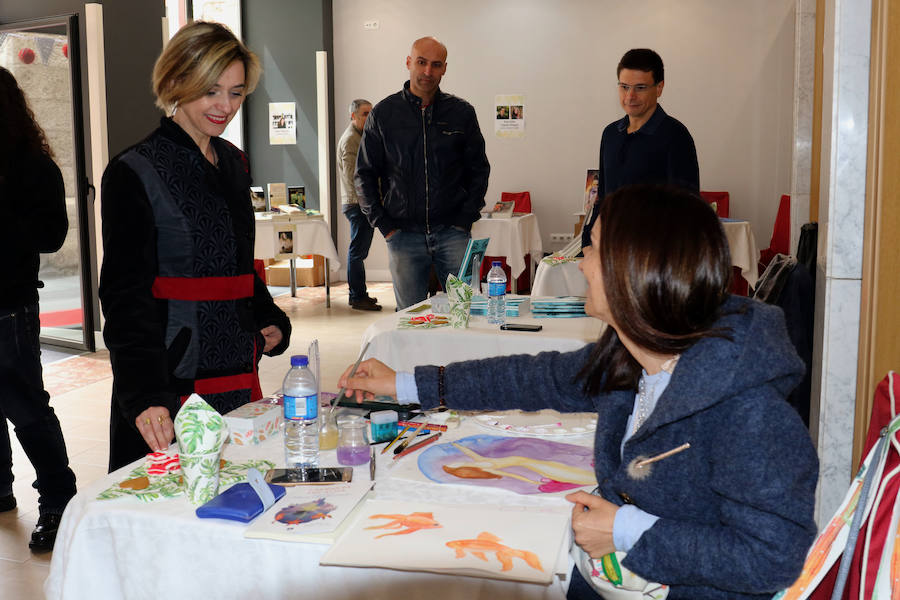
(297, 195)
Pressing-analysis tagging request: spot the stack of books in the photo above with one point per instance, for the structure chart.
(557, 307)
(515, 305)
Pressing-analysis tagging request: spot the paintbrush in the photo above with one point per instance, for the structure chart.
(396, 439)
(421, 444)
(352, 373)
(400, 448)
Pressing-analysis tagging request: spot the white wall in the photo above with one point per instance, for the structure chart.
(729, 79)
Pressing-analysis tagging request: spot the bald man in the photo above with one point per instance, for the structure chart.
(421, 174)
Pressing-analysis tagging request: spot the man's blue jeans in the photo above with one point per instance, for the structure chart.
(25, 403)
(412, 254)
(360, 241)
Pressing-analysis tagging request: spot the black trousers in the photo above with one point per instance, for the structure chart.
(25, 403)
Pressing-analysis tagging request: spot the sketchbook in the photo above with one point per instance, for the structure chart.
(309, 513)
(521, 543)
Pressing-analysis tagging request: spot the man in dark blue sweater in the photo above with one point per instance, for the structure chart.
(646, 145)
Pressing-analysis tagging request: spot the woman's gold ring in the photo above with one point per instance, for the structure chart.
(160, 419)
(147, 420)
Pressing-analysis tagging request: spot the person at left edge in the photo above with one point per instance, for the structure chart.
(185, 311)
(28, 228)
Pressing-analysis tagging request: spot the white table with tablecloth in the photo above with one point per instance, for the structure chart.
(126, 548)
(404, 349)
(565, 279)
(744, 252)
(559, 279)
(310, 236)
(512, 238)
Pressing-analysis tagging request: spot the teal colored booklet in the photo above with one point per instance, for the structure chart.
(475, 252)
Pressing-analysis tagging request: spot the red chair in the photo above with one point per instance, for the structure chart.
(721, 200)
(522, 204)
(260, 267)
(781, 234)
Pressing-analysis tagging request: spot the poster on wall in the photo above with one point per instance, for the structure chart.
(282, 123)
(591, 189)
(509, 116)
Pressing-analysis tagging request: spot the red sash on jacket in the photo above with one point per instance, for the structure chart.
(213, 288)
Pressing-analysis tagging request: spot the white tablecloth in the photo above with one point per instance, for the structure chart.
(744, 253)
(567, 280)
(512, 238)
(564, 279)
(128, 549)
(311, 236)
(404, 349)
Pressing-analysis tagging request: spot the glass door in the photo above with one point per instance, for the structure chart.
(43, 57)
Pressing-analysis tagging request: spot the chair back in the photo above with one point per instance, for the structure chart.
(721, 200)
(521, 200)
(781, 233)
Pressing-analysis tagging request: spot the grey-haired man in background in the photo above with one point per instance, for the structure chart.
(360, 229)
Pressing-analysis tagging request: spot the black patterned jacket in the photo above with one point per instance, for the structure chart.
(170, 216)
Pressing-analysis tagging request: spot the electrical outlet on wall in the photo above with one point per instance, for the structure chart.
(370, 25)
(561, 237)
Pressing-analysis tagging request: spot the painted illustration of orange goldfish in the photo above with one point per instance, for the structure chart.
(413, 522)
(488, 542)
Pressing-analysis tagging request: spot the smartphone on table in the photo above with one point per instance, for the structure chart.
(309, 475)
(520, 327)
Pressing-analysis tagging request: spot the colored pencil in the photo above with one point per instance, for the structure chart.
(428, 426)
(394, 441)
(421, 444)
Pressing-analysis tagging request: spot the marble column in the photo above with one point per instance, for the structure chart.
(845, 99)
(804, 92)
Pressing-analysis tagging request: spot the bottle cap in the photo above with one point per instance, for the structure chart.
(495, 263)
(299, 360)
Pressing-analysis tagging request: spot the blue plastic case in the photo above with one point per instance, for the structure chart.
(238, 503)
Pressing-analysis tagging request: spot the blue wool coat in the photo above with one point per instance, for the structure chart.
(736, 508)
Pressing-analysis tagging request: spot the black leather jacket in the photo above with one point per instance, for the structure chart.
(421, 170)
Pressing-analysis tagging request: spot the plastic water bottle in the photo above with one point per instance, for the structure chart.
(496, 312)
(301, 408)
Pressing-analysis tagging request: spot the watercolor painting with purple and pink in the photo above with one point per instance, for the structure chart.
(522, 465)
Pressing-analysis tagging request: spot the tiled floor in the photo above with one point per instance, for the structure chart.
(80, 390)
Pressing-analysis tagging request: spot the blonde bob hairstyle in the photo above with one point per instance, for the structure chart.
(194, 60)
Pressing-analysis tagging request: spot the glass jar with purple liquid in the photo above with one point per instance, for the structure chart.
(353, 445)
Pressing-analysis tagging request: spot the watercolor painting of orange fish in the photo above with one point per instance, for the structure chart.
(412, 522)
(488, 542)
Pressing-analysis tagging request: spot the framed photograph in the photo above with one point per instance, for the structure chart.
(503, 209)
(470, 269)
(284, 241)
(258, 199)
(297, 195)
